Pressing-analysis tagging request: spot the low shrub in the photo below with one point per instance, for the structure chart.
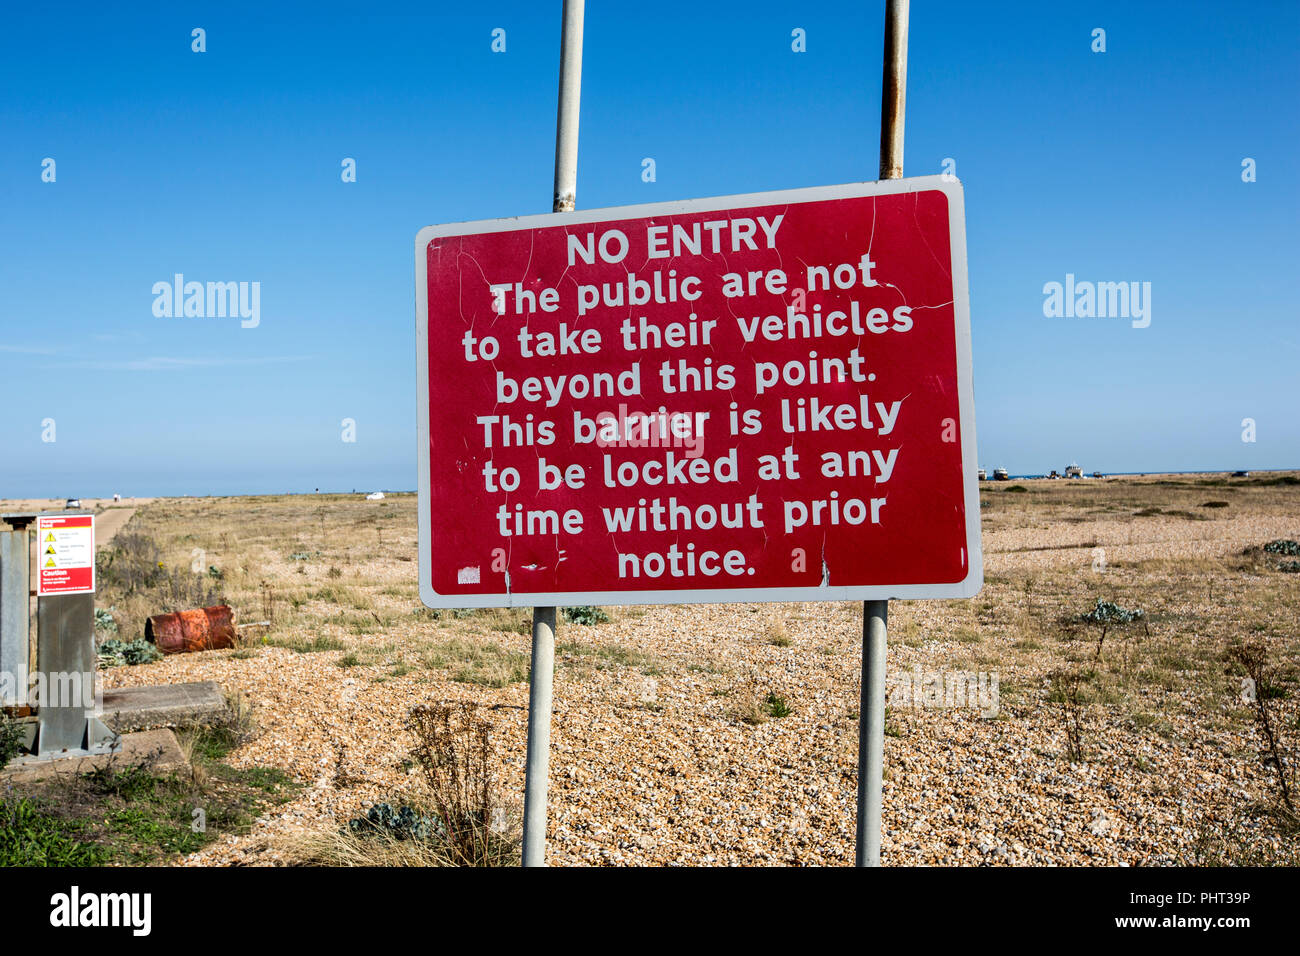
(11, 737)
(1110, 613)
(401, 824)
(585, 614)
(455, 751)
(117, 653)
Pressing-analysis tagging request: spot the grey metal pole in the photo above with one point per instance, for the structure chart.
(539, 736)
(875, 614)
(566, 119)
(871, 731)
(15, 612)
(543, 669)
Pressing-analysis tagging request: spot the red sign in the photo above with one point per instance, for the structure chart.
(65, 554)
(751, 398)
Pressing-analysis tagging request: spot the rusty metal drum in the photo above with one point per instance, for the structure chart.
(181, 632)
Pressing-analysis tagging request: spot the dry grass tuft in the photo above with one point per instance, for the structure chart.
(776, 634)
(332, 847)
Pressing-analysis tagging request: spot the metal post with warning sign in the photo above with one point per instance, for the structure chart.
(65, 547)
(762, 397)
(64, 688)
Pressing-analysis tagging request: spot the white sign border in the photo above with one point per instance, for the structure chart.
(968, 587)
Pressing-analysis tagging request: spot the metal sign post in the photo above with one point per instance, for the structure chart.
(875, 614)
(543, 664)
(551, 499)
(15, 609)
(871, 731)
(893, 90)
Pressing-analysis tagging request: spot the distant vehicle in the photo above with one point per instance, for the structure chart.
(1072, 470)
(1241, 474)
(1000, 474)
(72, 503)
(983, 475)
(1097, 474)
(375, 496)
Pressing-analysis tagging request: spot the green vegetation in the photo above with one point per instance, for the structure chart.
(585, 614)
(31, 835)
(146, 816)
(465, 823)
(477, 661)
(603, 656)
(777, 706)
(11, 738)
(116, 653)
(1109, 613)
(137, 813)
(405, 823)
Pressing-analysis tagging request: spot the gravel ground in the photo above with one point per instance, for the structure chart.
(650, 763)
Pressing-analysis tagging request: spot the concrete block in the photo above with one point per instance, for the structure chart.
(128, 709)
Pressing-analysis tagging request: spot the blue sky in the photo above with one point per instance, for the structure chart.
(225, 165)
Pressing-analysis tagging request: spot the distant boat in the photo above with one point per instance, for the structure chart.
(1072, 470)
(1000, 474)
(983, 475)
(375, 496)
